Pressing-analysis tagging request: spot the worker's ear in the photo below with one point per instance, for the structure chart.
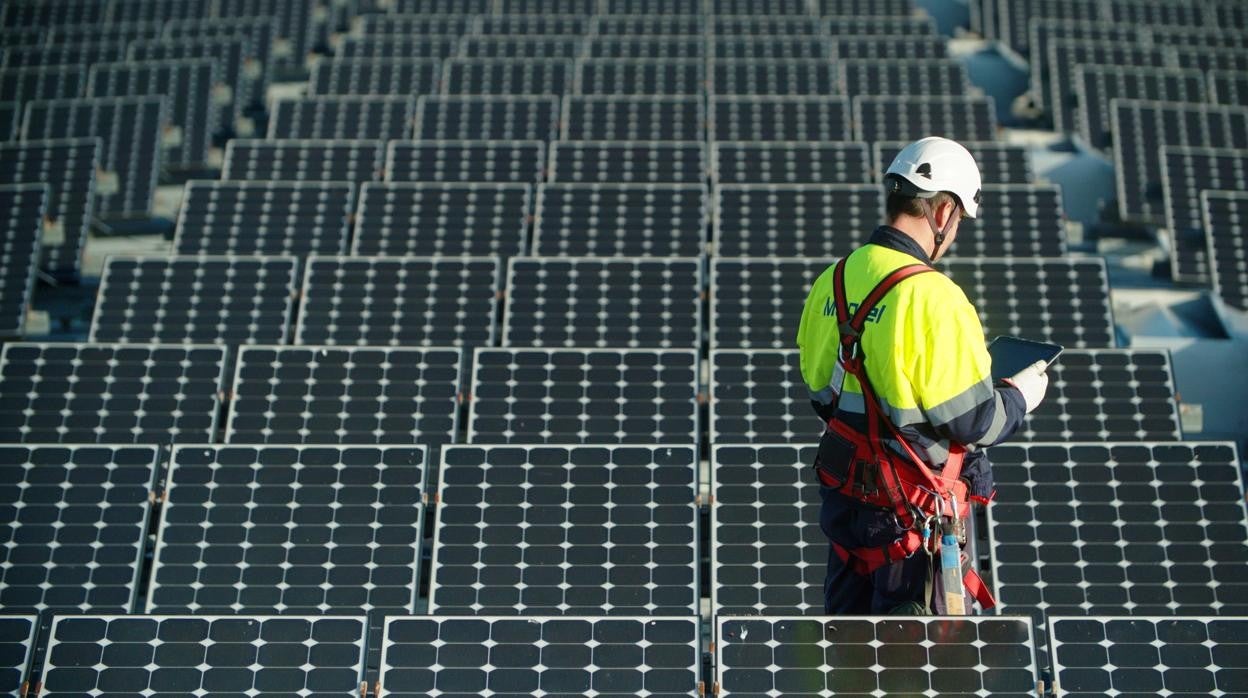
(943, 212)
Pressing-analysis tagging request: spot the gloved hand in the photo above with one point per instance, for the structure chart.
(1032, 382)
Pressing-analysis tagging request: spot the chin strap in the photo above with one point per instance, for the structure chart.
(938, 234)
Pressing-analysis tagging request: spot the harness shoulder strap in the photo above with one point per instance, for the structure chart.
(851, 327)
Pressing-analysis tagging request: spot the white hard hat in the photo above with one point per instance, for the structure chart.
(933, 164)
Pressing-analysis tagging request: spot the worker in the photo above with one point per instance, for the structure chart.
(903, 382)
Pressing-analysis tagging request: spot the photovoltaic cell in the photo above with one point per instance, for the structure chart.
(756, 302)
(540, 656)
(466, 161)
(758, 396)
(898, 118)
(768, 554)
(1186, 172)
(621, 220)
(542, 21)
(879, 46)
(1150, 13)
(491, 117)
(794, 220)
(340, 116)
(395, 46)
(1228, 87)
(124, 32)
(84, 52)
(628, 161)
(156, 10)
(400, 301)
(23, 36)
(904, 77)
(520, 47)
(850, 8)
(650, 46)
(865, 655)
(419, 24)
(1097, 85)
(375, 76)
(603, 302)
(304, 160)
(999, 163)
(17, 647)
(584, 396)
(640, 76)
(1014, 220)
(34, 13)
(647, 9)
(22, 208)
(560, 8)
(780, 118)
(404, 218)
(654, 24)
(187, 84)
(1224, 215)
(195, 300)
(763, 25)
(873, 22)
(758, 7)
(1214, 36)
(460, 10)
(767, 76)
(633, 118)
(566, 530)
(1182, 656)
(769, 47)
(22, 85)
(68, 168)
(167, 655)
(507, 76)
(264, 218)
(75, 528)
(789, 162)
(1204, 58)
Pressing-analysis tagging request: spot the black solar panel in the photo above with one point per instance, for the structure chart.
(573, 8)
(10, 118)
(1118, 528)
(1097, 85)
(1224, 215)
(780, 162)
(602, 302)
(394, 47)
(757, 7)
(67, 167)
(466, 161)
(895, 118)
(883, 8)
(492, 117)
(508, 76)
(129, 129)
(402, 218)
(566, 47)
(337, 117)
(640, 76)
(230, 96)
(632, 47)
(375, 76)
(535, 23)
(1153, 12)
(1043, 31)
(187, 84)
(758, 396)
(999, 163)
(264, 218)
(634, 118)
(1015, 220)
(584, 396)
(1213, 35)
(621, 220)
(763, 25)
(39, 13)
(345, 395)
(1177, 656)
(589, 530)
(628, 161)
(459, 9)
(17, 647)
(79, 53)
(904, 77)
(258, 34)
(769, 47)
(765, 76)
(1141, 127)
(642, 9)
(293, 22)
(873, 22)
(1068, 56)
(1014, 17)
(880, 655)
(1212, 58)
(168, 655)
(304, 160)
(195, 300)
(1226, 13)
(654, 24)
(110, 393)
(417, 24)
(156, 10)
(794, 220)
(1062, 300)
(400, 301)
(22, 208)
(12, 37)
(881, 46)
(1185, 173)
(768, 554)
(756, 302)
(495, 655)
(22, 85)
(780, 118)
(1228, 87)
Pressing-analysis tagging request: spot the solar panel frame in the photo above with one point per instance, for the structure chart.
(1219, 36)
(363, 243)
(511, 105)
(789, 119)
(639, 76)
(661, 162)
(570, 8)
(310, 151)
(293, 26)
(1225, 14)
(259, 34)
(753, 162)
(18, 645)
(68, 213)
(24, 36)
(622, 244)
(1230, 281)
(767, 76)
(783, 8)
(397, 47)
(156, 10)
(960, 118)
(437, 7)
(667, 117)
(396, 77)
(310, 117)
(1186, 173)
(22, 208)
(784, 296)
(642, 8)
(760, 381)
(1020, 220)
(819, 240)
(1146, 13)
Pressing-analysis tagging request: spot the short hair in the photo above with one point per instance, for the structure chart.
(898, 205)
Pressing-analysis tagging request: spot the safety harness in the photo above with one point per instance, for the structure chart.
(876, 475)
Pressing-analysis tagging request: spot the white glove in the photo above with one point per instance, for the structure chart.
(1032, 382)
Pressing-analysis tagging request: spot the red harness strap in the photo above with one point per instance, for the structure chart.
(864, 561)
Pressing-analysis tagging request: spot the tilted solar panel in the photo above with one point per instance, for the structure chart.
(628, 161)
(1186, 172)
(417, 218)
(188, 84)
(222, 217)
(898, 118)
(780, 118)
(790, 162)
(508, 76)
(466, 161)
(375, 76)
(304, 160)
(491, 117)
(633, 118)
(339, 116)
(640, 76)
(621, 220)
(22, 208)
(67, 166)
(1224, 216)
(790, 220)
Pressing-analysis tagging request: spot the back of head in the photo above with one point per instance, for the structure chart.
(933, 168)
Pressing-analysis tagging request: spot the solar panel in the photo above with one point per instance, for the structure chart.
(547, 7)
(343, 116)
(884, 118)
(156, 10)
(877, 46)
(1226, 14)
(459, 9)
(124, 32)
(732, 48)
(999, 163)
(507, 76)
(264, 218)
(794, 220)
(756, 302)
(377, 77)
(588, 530)
(756, 76)
(1151, 12)
(633, 118)
(417, 24)
(874, 23)
(1097, 85)
(10, 116)
(493, 117)
(477, 219)
(396, 46)
(644, 8)
(17, 647)
(904, 77)
(129, 129)
(22, 85)
(758, 396)
(1016, 220)
(258, 34)
(23, 36)
(67, 167)
(763, 25)
(37, 13)
(304, 160)
(345, 395)
(621, 220)
(781, 162)
(757, 7)
(768, 554)
(230, 53)
(553, 24)
(1118, 528)
(542, 655)
(110, 393)
(1066, 57)
(22, 209)
(466, 161)
(75, 54)
(648, 24)
(603, 302)
(584, 396)
(523, 47)
(628, 161)
(1043, 31)
(420, 301)
(1015, 16)
(293, 22)
(640, 76)
(1181, 656)
(633, 47)
(187, 84)
(1185, 173)
(179, 655)
(776, 655)
(1224, 214)
(1064, 300)
(194, 300)
(883, 8)
(1211, 58)
(1227, 87)
(780, 118)
(1141, 127)
(1212, 36)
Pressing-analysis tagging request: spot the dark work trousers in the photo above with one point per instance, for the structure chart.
(845, 592)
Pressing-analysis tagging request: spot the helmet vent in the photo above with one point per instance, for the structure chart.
(925, 170)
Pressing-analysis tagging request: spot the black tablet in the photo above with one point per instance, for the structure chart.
(1011, 355)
